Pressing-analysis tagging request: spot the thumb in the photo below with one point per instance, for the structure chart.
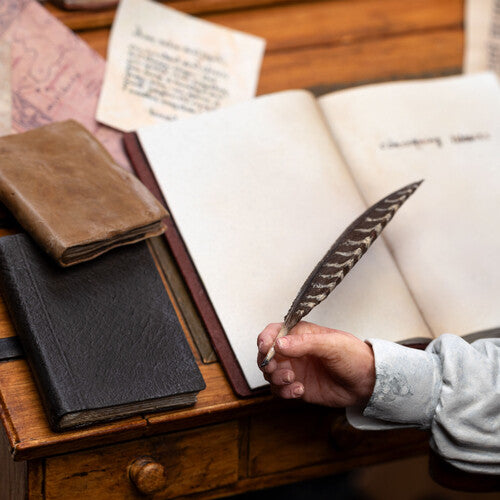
(326, 346)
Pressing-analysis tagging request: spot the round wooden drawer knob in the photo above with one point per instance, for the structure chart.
(147, 475)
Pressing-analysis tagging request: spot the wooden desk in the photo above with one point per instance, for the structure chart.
(226, 445)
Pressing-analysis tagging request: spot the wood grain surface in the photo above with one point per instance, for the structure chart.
(194, 461)
(270, 431)
(325, 21)
(334, 43)
(88, 19)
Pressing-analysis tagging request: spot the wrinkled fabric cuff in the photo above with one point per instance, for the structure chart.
(407, 386)
(355, 417)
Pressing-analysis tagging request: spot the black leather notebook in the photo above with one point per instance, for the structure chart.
(102, 338)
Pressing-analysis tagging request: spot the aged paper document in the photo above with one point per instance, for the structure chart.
(55, 75)
(482, 36)
(5, 90)
(163, 64)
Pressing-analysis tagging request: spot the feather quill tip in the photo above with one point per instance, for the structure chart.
(270, 354)
(268, 358)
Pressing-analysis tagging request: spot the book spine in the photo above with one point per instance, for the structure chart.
(23, 307)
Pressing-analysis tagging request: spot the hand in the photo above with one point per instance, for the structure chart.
(319, 365)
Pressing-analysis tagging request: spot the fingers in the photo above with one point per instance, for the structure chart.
(292, 391)
(265, 341)
(306, 342)
(280, 376)
(276, 364)
(278, 371)
(267, 336)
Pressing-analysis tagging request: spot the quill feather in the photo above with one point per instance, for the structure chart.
(341, 258)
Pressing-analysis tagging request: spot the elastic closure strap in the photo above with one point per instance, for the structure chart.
(10, 348)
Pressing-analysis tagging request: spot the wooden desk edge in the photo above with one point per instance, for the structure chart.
(35, 440)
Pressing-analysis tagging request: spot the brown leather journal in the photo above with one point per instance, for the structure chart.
(67, 192)
(198, 293)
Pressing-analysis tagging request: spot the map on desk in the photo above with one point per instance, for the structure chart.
(55, 74)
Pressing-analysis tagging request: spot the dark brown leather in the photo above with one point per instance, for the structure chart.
(64, 188)
(102, 338)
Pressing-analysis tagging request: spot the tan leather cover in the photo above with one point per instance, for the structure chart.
(66, 191)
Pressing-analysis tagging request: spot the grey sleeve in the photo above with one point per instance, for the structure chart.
(452, 387)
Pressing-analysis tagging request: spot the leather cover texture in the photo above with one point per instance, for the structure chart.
(191, 277)
(99, 335)
(66, 191)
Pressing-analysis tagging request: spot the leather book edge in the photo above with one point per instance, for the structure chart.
(196, 288)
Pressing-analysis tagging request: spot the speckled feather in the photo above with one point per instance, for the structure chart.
(342, 256)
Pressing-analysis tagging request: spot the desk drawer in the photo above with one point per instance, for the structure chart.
(193, 461)
(310, 435)
(287, 440)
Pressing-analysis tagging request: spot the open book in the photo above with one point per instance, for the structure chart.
(260, 191)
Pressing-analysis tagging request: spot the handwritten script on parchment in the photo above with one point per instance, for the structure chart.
(163, 65)
(55, 75)
(178, 76)
(482, 36)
